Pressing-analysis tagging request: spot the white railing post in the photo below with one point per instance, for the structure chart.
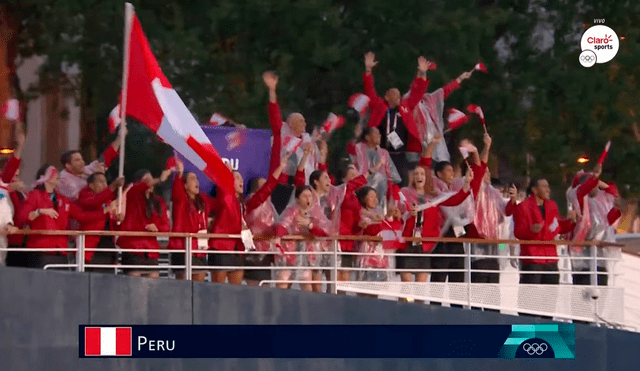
(187, 258)
(467, 273)
(334, 271)
(593, 266)
(81, 253)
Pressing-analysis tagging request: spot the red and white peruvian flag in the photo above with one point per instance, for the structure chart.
(333, 122)
(359, 102)
(391, 236)
(456, 118)
(114, 119)
(152, 100)
(480, 67)
(107, 341)
(472, 108)
(290, 144)
(217, 119)
(11, 110)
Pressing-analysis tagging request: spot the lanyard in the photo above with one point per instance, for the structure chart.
(395, 121)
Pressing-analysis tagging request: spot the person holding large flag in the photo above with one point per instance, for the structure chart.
(393, 116)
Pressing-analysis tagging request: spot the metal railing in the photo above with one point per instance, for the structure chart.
(605, 302)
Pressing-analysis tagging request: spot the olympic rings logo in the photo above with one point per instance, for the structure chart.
(587, 58)
(535, 348)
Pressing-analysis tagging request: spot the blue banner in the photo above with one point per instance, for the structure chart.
(248, 151)
(329, 341)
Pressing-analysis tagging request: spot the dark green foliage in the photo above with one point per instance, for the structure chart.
(535, 99)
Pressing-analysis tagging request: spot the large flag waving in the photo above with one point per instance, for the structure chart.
(151, 99)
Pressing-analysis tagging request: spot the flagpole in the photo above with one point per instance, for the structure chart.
(128, 17)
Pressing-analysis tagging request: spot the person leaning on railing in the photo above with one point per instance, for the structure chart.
(300, 218)
(145, 212)
(45, 209)
(373, 222)
(427, 223)
(98, 196)
(537, 218)
(190, 213)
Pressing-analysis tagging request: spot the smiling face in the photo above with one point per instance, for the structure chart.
(323, 183)
(297, 123)
(75, 164)
(542, 189)
(371, 200)
(446, 175)
(191, 184)
(99, 183)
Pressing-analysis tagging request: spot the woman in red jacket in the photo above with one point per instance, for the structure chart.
(97, 196)
(190, 215)
(228, 220)
(145, 212)
(45, 209)
(349, 219)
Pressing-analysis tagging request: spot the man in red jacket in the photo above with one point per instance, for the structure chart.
(537, 219)
(393, 116)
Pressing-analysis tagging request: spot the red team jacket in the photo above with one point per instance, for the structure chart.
(40, 199)
(528, 213)
(186, 218)
(136, 220)
(94, 202)
(379, 108)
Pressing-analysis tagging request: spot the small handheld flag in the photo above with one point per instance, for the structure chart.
(171, 163)
(480, 67)
(217, 119)
(359, 102)
(456, 118)
(472, 108)
(604, 153)
(114, 119)
(333, 122)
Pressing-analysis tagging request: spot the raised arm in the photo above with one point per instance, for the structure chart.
(419, 85)
(264, 192)
(484, 156)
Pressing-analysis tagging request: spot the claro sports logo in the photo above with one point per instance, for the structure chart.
(599, 44)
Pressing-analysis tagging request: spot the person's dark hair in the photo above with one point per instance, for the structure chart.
(41, 171)
(533, 183)
(495, 182)
(344, 168)
(253, 185)
(92, 177)
(301, 189)
(440, 166)
(198, 201)
(366, 131)
(66, 157)
(315, 176)
(138, 175)
(362, 194)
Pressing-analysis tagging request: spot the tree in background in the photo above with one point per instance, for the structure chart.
(536, 96)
